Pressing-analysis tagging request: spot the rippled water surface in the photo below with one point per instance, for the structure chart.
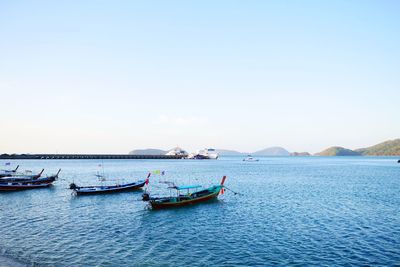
(294, 210)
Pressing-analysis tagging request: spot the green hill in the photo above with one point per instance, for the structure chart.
(338, 151)
(388, 148)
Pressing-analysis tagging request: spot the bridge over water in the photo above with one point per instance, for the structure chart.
(85, 156)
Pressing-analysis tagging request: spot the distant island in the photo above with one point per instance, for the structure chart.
(337, 151)
(272, 151)
(388, 148)
(300, 154)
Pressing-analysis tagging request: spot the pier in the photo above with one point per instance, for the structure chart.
(85, 156)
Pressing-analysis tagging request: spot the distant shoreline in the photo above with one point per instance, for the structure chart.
(85, 156)
(156, 157)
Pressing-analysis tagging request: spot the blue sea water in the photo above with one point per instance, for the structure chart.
(293, 211)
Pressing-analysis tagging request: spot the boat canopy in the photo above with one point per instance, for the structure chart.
(183, 187)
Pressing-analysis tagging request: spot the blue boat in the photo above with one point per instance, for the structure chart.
(105, 189)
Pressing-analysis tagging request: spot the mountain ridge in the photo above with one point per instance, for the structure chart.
(386, 148)
(272, 151)
(337, 151)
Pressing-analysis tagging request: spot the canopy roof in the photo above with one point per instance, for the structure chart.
(187, 187)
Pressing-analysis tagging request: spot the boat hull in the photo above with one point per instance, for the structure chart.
(158, 204)
(21, 186)
(46, 180)
(96, 190)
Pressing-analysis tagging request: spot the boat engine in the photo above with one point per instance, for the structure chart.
(72, 186)
(146, 197)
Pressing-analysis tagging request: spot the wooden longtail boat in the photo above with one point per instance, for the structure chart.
(185, 199)
(23, 183)
(105, 189)
(5, 173)
(18, 175)
(14, 186)
(27, 179)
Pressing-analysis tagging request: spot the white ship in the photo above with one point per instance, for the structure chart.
(209, 153)
(177, 151)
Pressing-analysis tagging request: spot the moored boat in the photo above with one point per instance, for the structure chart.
(104, 189)
(250, 158)
(5, 173)
(25, 175)
(32, 179)
(185, 199)
(15, 183)
(16, 186)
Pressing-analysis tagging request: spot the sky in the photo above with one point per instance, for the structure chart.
(113, 76)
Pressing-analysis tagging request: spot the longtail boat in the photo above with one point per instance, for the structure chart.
(14, 186)
(185, 199)
(23, 183)
(6, 173)
(34, 179)
(105, 189)
(26, 175)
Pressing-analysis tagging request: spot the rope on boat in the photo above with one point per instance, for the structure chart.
(236, 193)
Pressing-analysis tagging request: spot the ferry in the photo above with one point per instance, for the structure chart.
(207, 153)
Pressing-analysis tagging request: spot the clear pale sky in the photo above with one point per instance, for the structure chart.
(112, 76)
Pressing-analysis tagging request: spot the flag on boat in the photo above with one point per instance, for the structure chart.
(8, 163)
(147, 179)
(156, 172)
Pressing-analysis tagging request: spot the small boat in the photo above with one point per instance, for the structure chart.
(15, 183)
(104, 189)
(185, 199)
(26, 175)
(35, 179)
(15, 186)
(198, 156)
(5, 173)
(250, 158)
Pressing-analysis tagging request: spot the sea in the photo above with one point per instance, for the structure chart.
(281, 211)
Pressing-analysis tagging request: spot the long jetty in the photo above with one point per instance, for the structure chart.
(86, 156)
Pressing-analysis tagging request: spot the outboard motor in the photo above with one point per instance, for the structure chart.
(72, 186)
(145, 197)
